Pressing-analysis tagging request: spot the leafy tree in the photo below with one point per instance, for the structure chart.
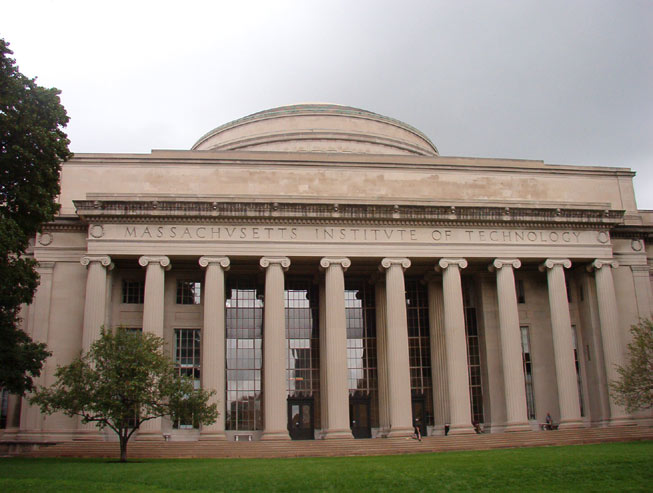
(32, 148)
(124, 380)
(634, 388)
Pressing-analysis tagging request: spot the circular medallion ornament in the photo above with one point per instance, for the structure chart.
(97, 231)
(603, 237)
(45, 239)
(636, 245)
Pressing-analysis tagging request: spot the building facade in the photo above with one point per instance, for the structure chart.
(330, 275)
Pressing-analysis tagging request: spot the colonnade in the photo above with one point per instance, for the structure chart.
(447, 339)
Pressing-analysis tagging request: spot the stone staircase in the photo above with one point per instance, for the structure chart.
(346, 447)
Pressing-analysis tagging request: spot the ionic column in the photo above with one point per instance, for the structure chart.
(335, 339)
(153, 305)
(396, 342)
(613, 353)
(456, 345)
(563, 348)
(94, 316)
(95, 301)
(438, 353)
(275, 414)
(153, 310)
(31, 419)
(213, 341)
(381, 356)
(511, 350)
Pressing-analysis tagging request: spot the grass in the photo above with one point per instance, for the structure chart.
(603, 467)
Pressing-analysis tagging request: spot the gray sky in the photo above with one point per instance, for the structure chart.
(569, 81)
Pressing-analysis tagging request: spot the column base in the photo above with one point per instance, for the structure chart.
(571, 424)
(88, 436)
(620, 421)
(336, 434)
(213, 435)
(400, 432)
(149, 437)
(461, 430)
(512, 427)
(275, 435)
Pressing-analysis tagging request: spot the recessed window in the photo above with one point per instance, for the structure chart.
(528, 371)
(133, 292)
(189, 292)
(187, 360)
(521, 293)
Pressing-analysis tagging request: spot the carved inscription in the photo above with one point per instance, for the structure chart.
(329, 234)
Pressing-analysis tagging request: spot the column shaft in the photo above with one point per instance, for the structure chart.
(511, 351)
(613, 353)
(438, 355)
(39, 325)
(381, 356)
(335, 338)
(563, 344)
(396, 342)
(456, 344)
(213, 341)
(95, 304)
(275, 385)
(153, 311)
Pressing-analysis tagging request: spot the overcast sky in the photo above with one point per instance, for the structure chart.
(568, 82)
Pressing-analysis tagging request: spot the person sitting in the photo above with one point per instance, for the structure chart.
(477, 427)
(548, 422)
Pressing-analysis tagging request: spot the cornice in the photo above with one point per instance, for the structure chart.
(168, 211)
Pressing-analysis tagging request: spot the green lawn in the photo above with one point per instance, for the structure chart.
(604, 467)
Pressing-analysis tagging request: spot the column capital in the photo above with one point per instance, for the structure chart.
(445, 263)
(223, 262)
(599, 263)
(104, 260)
(503, 262)
(162, 260)
(326, 262)
(387, 262)
(284, 262)
(550, 263)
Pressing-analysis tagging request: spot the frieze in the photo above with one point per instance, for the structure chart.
(352, 235)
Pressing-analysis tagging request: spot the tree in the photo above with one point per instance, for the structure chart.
(634, 388)
(32, 148)
(124, 380)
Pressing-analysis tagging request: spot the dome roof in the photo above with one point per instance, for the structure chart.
(318, 127)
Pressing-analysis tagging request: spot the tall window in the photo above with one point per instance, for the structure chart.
(521, 293)
(133, 291)
(417, 311)
(303, 341)
(360, 313)
(187, 360)
(473, 354)
(579, 381)
(244, 306)
(4, 407)
(189, 292)
(528, 371)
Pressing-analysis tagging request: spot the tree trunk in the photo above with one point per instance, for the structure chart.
(123, 449)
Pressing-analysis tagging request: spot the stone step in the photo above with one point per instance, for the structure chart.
(345, 447)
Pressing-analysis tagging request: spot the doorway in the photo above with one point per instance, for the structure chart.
(300, 419)
(419, 414)
(359, 417)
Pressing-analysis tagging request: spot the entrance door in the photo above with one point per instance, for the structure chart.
(300, 419)
(359, 417)
(419, 414)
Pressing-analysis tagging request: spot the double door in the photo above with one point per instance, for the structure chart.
(300, 419)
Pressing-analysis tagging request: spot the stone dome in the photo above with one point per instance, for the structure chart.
(318, 127)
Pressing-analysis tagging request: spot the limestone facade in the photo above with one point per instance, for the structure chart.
(330, 275)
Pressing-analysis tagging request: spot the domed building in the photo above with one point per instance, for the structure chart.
(328, 274)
